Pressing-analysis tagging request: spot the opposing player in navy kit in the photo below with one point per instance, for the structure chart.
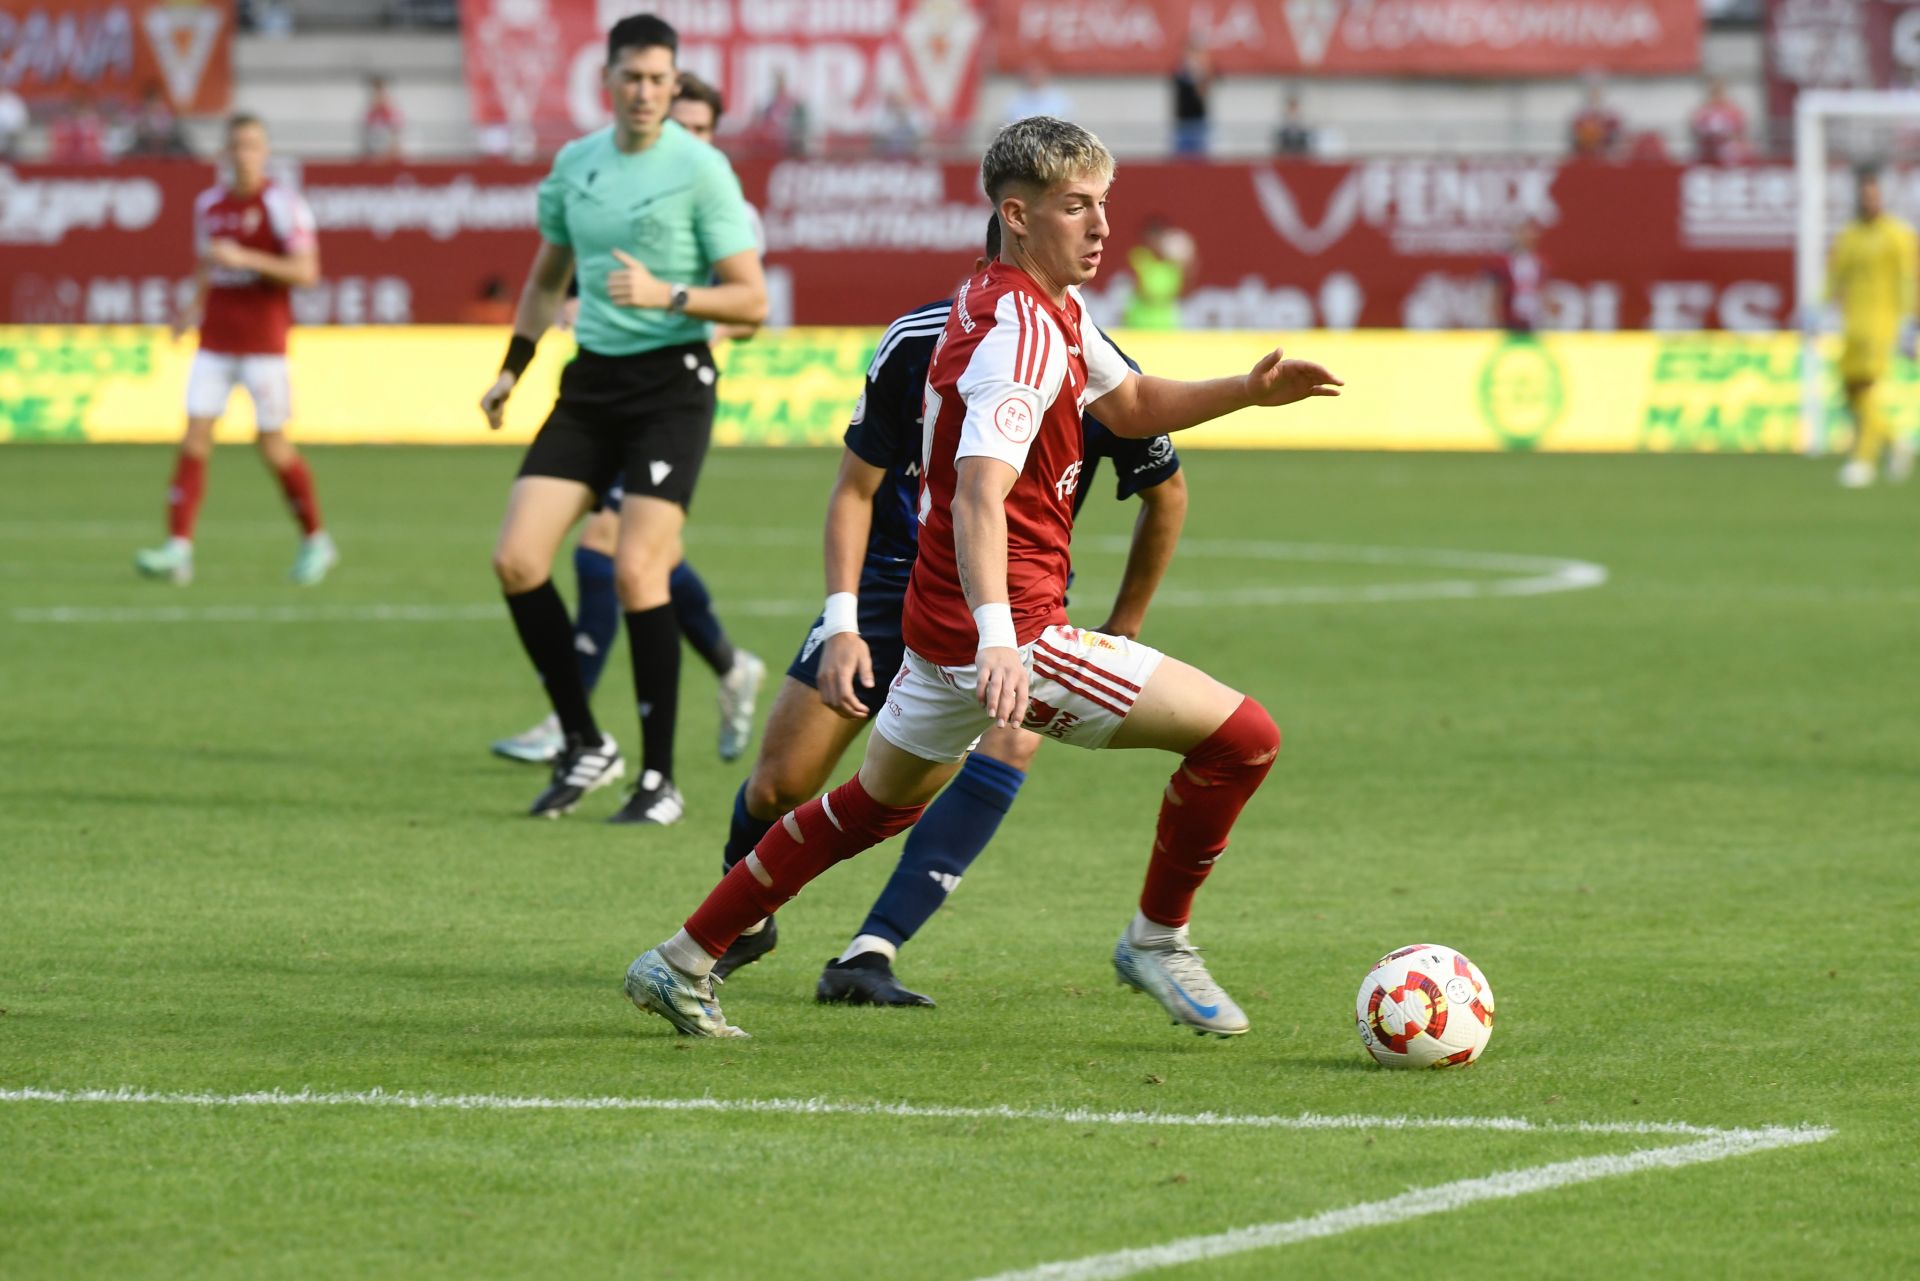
(838, 681)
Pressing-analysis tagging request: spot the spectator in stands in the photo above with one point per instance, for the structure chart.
(13, 120)
(784, 120)
(1719, 128)
(380, 126)
(155, 129)
(79, 136)
(1519, 278)
(1596, 130)
(494, 305)
(1192, 86)
(1163, 262)
(1039, 96)
(1293, 137)
(900, 127)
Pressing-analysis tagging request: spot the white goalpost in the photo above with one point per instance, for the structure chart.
(1825, 195)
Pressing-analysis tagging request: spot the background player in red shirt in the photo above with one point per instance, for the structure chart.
(256, 244)
(985, 624)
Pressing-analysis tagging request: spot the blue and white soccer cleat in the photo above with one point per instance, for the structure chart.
(1175, 976)
(655, 987)
(739, 693)
(317, 555)
(172, 560)
(540, 745)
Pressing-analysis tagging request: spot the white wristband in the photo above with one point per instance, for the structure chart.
(995, 624)
(842, 615)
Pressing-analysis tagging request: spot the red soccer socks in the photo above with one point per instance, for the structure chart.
(1205, 796)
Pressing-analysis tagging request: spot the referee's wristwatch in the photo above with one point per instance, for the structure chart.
(677, 300)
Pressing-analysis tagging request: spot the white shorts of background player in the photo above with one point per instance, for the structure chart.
(215, 374)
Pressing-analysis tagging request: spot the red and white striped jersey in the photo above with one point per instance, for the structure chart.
(1009, 379)
(247, 314)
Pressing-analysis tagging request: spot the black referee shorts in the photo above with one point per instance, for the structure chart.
(647, 417)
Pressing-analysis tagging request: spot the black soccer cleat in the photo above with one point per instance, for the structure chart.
(655, 800)
(867, 979)
(580, 769)
(747, 949)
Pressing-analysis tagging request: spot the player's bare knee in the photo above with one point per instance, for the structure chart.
(773, 791)
(516, 571)
(641, 584)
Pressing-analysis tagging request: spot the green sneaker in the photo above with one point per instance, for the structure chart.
(172, 560)
(317, 556)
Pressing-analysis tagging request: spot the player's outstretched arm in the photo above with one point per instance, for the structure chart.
(1156, 531)
(540, 301)
(1143, 405)
(980, 550)
(844, 656)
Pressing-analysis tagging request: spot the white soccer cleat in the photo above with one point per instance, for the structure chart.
(1856, 473)
(317, 555)
(1900, 460)
(539, 745)
(172, 560)
(739, 694)
(1174, 975)
(686, 1001)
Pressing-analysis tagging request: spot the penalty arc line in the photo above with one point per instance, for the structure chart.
(1441, 1198)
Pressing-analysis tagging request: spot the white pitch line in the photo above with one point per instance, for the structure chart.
(411, 1100)
(1441, 1198)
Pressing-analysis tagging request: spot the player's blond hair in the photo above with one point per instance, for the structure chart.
(1039, 152)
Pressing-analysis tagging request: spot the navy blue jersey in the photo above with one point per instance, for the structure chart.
(886, 433)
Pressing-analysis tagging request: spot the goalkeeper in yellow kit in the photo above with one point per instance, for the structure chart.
(1871, 278)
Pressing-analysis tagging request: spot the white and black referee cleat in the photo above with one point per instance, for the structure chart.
(581, 768)
(656, 800)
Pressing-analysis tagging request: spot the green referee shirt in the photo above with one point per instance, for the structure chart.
(676, 207)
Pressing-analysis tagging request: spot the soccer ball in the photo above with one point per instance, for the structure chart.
(1425, 1006)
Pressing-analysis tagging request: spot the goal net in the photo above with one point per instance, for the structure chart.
(1837, 132)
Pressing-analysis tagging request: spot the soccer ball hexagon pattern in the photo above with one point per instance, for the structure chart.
(1425, 1006)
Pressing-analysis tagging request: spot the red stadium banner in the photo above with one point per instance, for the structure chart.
(533, 66)
(1837, 44)
(1381, 243)
(1354, 37)
(55, 50)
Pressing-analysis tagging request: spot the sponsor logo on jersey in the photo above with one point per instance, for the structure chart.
(1068, 482)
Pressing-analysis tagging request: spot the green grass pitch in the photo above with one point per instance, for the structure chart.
(251, 840)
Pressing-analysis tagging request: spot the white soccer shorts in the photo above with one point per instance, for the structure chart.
(215, 374)
(1084, 684)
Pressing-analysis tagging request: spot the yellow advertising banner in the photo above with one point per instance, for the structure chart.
(1715, 392)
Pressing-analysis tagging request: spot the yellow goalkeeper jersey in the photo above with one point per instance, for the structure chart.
(1871, 275)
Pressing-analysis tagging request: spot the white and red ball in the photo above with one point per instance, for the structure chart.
(1425, 1006)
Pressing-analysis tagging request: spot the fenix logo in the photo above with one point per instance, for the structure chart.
(42, 212)
(1423, 206)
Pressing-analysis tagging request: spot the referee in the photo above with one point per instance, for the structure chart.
(647, 215)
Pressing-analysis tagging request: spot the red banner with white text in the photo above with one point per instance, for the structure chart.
(1380, 243)
(1354, 37)
(534, 66)
(115, 50)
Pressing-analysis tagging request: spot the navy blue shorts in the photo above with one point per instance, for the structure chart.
(880, 628)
